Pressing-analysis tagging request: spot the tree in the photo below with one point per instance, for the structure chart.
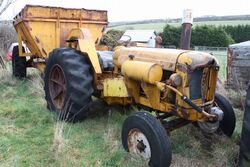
(4, 4)
(239, 33)
(111, 38)
(210, 36)
(171, 36)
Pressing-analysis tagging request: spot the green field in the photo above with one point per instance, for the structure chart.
(159, 26)
(221, 56)
(30, 135)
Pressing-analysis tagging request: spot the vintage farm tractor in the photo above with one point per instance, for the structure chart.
(176, 86)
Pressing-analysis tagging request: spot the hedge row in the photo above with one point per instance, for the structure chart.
(207, 35)
(239, 33)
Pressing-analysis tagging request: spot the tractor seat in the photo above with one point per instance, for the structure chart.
(106, 60)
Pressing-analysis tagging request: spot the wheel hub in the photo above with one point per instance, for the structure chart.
(57, 86)
(141, 146)
(138, 144)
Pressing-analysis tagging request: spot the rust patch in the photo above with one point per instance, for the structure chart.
(184, 113)
(229, 57)
(173, 109)
(44, 52)
(37, 39)
(182, 68)
(28, 26)
(101, 78)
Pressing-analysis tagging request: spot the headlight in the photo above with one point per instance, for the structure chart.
(175, 79)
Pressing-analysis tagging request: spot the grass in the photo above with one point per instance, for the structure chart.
(221, 56)
(33, 136)
(159, 26)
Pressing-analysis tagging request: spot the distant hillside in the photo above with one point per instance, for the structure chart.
(177, 20)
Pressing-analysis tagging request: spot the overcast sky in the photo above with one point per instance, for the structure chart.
(130, 10)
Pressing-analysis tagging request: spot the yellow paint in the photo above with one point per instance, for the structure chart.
(25, 35)
(153, 94)
(43, 29)
(86, 45)
(212, 84)
(121, 100)
(133, 81)
(142, 71)
(184, 59)
(167, 58)
(115, 88)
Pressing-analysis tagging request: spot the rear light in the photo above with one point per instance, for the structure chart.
(9, 56)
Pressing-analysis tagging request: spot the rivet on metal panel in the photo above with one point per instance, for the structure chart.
(37, 39)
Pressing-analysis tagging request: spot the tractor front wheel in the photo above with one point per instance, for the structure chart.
(144, 136)
(227, 124)
(68, 84)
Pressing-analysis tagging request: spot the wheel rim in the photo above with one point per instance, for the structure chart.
(138, 144)
(210, 127)
(57, 86)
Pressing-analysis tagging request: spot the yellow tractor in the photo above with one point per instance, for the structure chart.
(176, 86)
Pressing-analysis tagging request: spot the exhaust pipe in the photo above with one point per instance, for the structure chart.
(187, 22)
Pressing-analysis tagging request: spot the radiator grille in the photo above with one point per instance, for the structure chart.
(195, 84)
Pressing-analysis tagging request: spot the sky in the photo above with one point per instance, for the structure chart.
(133, 10)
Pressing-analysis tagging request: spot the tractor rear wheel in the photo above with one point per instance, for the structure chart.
(68, 84)
(144, 136)
(18, 64)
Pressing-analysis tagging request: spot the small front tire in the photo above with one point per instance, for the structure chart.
(143, 135)
(227, 124)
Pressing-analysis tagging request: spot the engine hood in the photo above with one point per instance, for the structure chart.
(196, 59)
(167, 58)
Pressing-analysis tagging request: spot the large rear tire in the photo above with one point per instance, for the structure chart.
(143, 135)
(68, 84)
(18, 64)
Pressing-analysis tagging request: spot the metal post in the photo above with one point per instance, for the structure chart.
(187, 22)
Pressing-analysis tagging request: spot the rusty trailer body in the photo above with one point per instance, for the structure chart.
(238, 64)
(45, 28)
(172, 83)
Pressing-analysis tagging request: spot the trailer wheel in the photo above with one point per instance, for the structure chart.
(68, 84)
(227, 125)
(144, 136)
(18, 64)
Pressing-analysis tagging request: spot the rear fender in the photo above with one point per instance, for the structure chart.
(81, 39)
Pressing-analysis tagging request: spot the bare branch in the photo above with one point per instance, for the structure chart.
(4, 4)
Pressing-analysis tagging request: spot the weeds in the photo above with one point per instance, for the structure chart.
(33, 136)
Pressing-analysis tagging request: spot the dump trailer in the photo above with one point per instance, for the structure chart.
(172, 88)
